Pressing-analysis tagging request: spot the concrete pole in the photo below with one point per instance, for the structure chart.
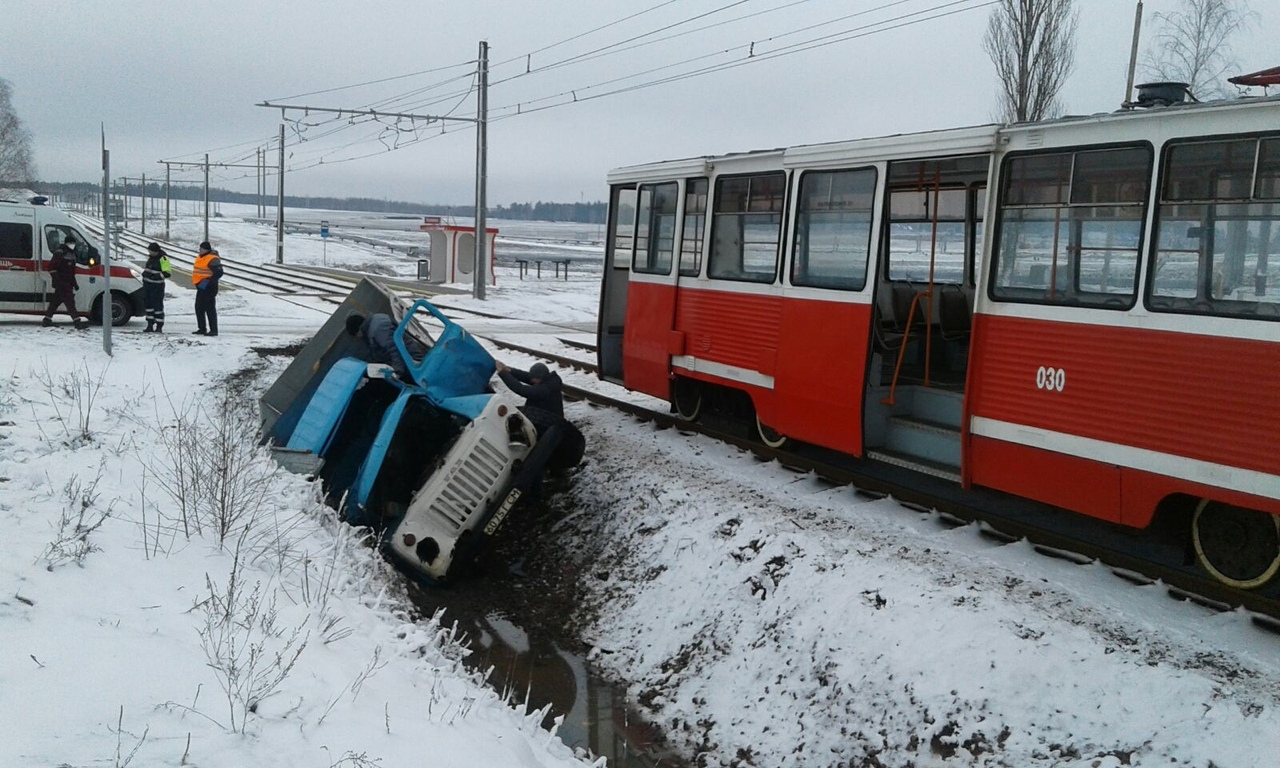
(144, 203)
(280, 203)
(482, 149)
(206, 197)
(166, 201)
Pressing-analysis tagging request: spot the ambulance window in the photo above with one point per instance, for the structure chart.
(15, 241)
(54, 235)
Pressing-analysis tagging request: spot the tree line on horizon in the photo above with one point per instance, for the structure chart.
(583, 213)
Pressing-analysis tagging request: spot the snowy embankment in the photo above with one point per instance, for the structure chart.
(168, 596)
(765, 618)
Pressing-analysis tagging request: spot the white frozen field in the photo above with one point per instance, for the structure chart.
(766, 618)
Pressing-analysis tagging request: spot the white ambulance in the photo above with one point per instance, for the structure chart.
(29, 233)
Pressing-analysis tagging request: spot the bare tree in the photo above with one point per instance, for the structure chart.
(16, 164)
(1191, 45)
(1032, 44)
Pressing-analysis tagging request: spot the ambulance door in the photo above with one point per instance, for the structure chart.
(21, 289)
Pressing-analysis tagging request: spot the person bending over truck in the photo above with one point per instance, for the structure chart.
(543, 394)
(62, 275)
(378, 333)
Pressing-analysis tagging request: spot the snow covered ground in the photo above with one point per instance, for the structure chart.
(764, 618)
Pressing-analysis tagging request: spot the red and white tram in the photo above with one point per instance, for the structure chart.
(1084, 312)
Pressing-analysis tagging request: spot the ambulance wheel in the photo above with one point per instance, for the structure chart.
(1239, 547)
(121, 310)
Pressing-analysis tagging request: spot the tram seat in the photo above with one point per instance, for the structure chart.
(901, 294)
(954, 319)
(885, 335)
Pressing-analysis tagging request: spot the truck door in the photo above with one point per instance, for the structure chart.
(21, 288)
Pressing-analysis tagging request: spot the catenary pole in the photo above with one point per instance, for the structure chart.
(206, 197)
(482, 149)
(280, 199)
(166, 201)
(144, 204)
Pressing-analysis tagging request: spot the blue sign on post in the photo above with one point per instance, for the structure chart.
(324, 229)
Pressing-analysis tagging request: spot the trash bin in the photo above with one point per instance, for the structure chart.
(424, 269)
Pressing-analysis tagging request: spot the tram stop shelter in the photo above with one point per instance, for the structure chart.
(453, 252)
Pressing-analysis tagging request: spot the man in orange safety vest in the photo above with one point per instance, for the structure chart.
(205, 274)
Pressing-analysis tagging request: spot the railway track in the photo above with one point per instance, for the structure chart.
(1052, 532)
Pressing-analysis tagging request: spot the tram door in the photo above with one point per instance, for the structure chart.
(619, 244)
(651, 292)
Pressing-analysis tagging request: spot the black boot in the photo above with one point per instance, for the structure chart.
(151, 326)
(160, 327)
(47, 322)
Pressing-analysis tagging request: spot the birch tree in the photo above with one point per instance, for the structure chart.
(1032, 44)
(15, 141)
(1192, 45)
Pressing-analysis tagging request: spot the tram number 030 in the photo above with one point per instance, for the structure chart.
(1052, 379)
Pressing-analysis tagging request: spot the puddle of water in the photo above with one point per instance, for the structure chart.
(529, 667)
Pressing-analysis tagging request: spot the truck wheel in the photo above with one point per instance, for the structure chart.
(121, 310)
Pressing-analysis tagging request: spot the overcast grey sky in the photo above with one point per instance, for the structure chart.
(171, 80)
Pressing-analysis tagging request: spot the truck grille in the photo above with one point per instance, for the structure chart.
(470, 485)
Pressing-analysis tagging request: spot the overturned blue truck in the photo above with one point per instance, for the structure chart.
(436, 462)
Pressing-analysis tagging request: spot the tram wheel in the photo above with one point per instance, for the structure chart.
(686, 396)
(1239, 547)
(768, 435)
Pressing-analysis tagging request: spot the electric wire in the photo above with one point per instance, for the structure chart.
(865, 30)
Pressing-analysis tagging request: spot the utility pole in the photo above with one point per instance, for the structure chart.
(144, 203)
(107, 314)
(482, 70)
(166, 201)
(482, 154)
(206, 165)
(280, 200)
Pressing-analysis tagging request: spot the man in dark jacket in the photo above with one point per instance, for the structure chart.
(560, 444)
(539, 387)
(62, 275)
(153, 277)
(378, 333)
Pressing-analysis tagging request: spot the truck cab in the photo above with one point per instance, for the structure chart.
(29, 233)
(435, 462)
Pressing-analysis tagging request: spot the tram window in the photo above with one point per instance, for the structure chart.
(1219, 253)
(833, 229)
(1219, 170)
(695, 221)
(656, 228)
(1268, 184)
(1070, 226)
(912, 237)
(622, 237)
(978, 198)
(746, 227)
